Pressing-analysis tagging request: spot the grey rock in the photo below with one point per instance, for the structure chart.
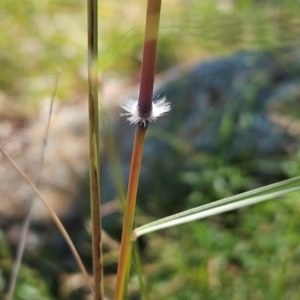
(223, 110)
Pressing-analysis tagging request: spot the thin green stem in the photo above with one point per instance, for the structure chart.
(94, 146)
(126, 243)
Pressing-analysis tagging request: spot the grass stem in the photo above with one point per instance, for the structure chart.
(126, 243)
(94, 146)
(144, 112)
(149, 58)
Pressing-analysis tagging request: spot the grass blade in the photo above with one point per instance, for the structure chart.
(245, 199)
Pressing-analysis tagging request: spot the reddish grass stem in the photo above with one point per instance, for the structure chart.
(144, 111)
(149, 58)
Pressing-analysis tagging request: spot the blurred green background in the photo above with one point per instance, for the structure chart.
(39, 37)
(259, 258)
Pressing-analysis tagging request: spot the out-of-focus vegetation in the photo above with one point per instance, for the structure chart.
(254, 254)
(40, 37)
(256, 257)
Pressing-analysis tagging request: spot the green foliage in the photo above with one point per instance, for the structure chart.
(42, 36)
(30, 284)
(257, 257)
(37, 40)
(218, 180)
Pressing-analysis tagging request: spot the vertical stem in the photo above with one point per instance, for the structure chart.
(144, 109)
(94, 146)
(149, 58)
(126, 244)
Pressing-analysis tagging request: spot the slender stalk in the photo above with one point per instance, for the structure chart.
(144, 112)
(27, 220)
(121, 192)
(126, 244)
(149, 58)
(94, 146)
(54, 217)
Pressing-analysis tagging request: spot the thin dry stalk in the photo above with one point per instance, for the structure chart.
(27, 220)
(54, 217)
